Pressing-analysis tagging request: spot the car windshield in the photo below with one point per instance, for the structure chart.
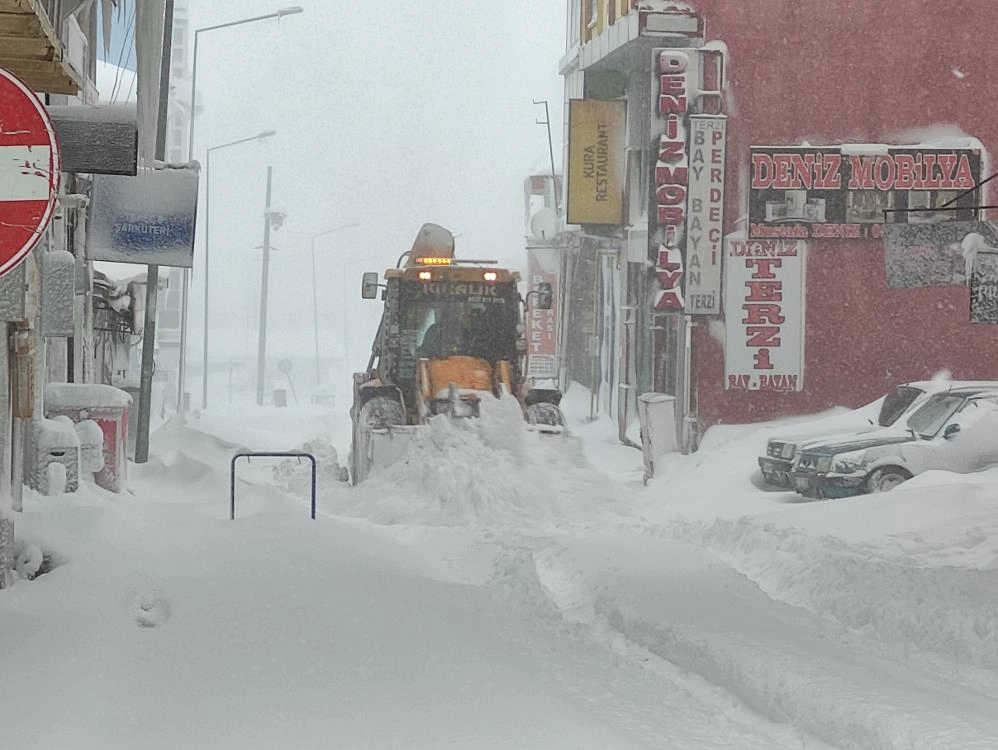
(930, 418)
(896, 403)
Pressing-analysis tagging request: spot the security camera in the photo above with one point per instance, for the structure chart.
(276, 217)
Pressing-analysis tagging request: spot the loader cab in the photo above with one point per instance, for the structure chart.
(447, 313)
(459, 328)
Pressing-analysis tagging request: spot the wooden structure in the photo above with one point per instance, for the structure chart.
(31, 47)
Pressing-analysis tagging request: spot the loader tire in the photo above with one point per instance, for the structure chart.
(545, 414)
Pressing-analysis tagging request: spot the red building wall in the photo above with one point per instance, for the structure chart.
(854, 71)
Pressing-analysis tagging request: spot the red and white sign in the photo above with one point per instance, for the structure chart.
(542, 325)
(671, 174)
(29, 170)
(669, 270)
(764, 315)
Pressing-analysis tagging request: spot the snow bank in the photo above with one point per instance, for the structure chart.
(933, 587)
(488, 470)
(916, 567)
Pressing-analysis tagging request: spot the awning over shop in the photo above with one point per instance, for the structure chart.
(97, 140)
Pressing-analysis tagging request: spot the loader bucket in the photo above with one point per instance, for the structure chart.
(374, 449)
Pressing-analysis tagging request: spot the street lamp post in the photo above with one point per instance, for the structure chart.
(271, 217)
(289, 11)
(315, 296)
(207, 242)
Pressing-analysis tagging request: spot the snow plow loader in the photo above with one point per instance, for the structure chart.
(451, 335)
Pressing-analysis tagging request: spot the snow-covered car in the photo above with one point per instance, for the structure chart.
(952, 431)
(901, 401)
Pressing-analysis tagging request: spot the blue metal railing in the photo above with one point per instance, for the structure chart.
(276, 454)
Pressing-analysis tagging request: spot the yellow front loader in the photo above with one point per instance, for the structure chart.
(451, 335)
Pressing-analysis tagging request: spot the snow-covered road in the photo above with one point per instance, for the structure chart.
(535, 601)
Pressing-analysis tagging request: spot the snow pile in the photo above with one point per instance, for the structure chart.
(294, 475)
(488, 470)
(950, 611)
(915, 568)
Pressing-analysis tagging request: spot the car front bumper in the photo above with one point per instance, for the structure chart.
(776, 471)
(824, 486)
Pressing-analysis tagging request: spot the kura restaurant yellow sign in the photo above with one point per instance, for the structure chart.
(595, 161)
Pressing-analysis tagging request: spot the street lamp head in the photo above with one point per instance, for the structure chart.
(290, 11)
(266, 134)
(276, 217)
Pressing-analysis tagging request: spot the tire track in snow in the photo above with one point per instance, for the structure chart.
(783, 663)
(565, 584)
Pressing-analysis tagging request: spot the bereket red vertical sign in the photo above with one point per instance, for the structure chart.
(542, 325)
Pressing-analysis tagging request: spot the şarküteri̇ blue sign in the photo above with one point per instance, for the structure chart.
(147, 219)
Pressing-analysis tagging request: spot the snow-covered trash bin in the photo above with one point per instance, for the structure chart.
(91, 447)
(108, 407)
(52, 457)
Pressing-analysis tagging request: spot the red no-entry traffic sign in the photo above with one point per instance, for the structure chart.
(29, 170)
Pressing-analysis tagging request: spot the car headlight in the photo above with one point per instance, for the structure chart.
(789, 450)
(823, 464)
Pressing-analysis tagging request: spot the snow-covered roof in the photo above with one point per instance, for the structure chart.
(84, 396)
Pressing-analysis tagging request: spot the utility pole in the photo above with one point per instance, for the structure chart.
(261, 364)
(152, 274)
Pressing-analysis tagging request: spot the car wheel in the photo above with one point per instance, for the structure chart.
(886, 479)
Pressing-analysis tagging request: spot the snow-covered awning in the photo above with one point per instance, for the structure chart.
(97, 140)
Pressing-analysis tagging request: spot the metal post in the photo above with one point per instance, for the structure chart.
(17, 465)
(207, 239)
(7, 421)
(554, 179)
(269, 454)
(315, 318)
(87, 343)
(185, 290)
(261, 365)
(152, 275)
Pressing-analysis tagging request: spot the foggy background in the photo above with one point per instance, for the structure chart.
(391, 115)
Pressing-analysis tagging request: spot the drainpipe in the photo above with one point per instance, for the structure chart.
(689, 419)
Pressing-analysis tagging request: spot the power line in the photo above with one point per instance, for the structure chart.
(125, 45)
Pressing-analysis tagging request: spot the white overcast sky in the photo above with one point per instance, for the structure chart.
(392, 115)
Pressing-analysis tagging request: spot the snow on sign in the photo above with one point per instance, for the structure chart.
(146, 219)
(29, 170)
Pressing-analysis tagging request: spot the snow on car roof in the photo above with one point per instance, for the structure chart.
(972, 391)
